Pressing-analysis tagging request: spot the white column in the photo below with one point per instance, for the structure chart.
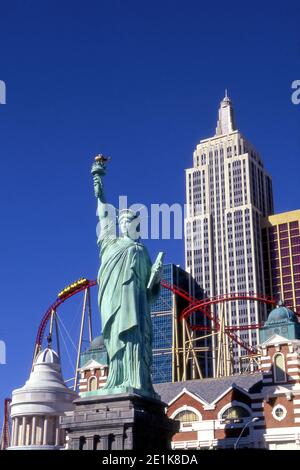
(45, 431)
(33, 431)
(28, 430)
(57, 432)
(16, 431)
(12, 432)
(23, 434)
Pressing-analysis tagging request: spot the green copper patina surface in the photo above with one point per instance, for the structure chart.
(124, 299)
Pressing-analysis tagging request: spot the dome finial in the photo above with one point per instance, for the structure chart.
(280, 303)
(49, 341)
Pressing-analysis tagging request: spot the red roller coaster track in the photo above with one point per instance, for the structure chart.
(233, 296)
(59, 301)
(54, 306)
(202, 306)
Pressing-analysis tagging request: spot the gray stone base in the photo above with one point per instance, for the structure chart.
(118, 422)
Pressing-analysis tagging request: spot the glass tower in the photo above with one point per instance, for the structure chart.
(168, 348)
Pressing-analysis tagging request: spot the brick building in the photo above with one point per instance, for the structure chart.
(212, 412)
(94, 369)
(260, 410)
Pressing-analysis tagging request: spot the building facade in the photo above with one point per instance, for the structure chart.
(258, 410)
(93, 367)
(169, 335)
(280, 367)
(227, 192)
(280, 404)
(212, 412)
(281, 250)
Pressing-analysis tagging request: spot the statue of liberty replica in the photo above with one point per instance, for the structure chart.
(128, 284)
(126, 413)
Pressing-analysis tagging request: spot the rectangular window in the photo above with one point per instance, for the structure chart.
(296, 250)
(296, 259)
(286, 261)
(283, 235)
(285, 252)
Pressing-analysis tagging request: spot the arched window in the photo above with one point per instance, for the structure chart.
(279, 368)
(186, 416)
(235, 412)
(92, 384)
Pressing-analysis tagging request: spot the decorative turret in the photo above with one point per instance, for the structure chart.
(281, 321)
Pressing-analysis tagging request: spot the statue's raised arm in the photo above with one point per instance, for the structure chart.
(107, 223)
(98, 171)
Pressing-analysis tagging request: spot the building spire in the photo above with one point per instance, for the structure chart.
(226, 122)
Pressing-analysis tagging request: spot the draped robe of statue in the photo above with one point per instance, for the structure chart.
(124, 303)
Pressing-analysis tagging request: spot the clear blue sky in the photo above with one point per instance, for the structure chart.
(141, 81)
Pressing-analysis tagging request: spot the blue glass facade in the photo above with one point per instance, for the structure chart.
(165, 314)
(162, 322)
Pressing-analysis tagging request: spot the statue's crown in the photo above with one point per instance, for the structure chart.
(128, 213)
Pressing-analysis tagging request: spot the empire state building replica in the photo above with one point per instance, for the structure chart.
(228, 191)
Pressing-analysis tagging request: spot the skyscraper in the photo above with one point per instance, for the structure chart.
(281, 248)
(227, 192)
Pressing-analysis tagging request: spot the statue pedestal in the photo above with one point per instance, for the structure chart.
(125, 421)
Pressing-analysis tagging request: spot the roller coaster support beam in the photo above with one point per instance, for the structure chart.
(90, 316)
(80, 338)
(195, 362)
(5, 436)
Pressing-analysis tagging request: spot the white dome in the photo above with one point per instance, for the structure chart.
(45, 391)
(47, 356)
